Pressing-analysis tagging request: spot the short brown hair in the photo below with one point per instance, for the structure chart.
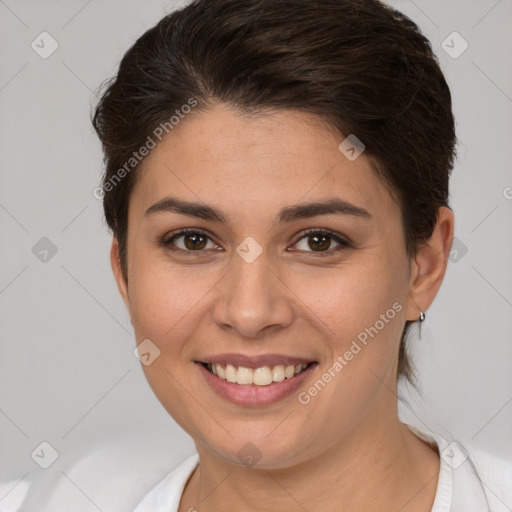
(361, 65)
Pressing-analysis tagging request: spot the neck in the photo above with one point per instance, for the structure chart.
(379, 466)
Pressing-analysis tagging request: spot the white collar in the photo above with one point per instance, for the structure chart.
(459, 487)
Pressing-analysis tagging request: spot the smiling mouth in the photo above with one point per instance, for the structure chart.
(262, 376)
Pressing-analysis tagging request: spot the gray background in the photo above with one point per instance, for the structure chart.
(68, 375)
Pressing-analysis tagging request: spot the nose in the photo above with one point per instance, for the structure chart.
(252, 300)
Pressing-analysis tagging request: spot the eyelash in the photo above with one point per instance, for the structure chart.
(167, 240)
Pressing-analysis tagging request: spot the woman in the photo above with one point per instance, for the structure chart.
(277, 188)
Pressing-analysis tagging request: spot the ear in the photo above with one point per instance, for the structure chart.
(115, 262)
(429, 265)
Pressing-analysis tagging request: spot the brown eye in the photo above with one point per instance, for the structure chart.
(320, 242)
(187, 241)
(194, 241)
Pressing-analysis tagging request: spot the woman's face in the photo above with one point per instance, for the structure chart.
(252, 289)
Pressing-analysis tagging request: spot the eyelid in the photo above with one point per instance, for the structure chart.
(333, 234)
(165, 241)
(343, 242)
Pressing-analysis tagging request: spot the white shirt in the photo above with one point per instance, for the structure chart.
(459, 487)
(127, 474)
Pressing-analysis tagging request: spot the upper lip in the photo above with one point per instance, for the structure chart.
(255, 361)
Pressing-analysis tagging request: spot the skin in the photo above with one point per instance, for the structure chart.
(345, 449)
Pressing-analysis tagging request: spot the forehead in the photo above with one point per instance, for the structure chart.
(246, 162)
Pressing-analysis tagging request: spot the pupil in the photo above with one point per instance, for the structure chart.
(196, 242)
(325, 242)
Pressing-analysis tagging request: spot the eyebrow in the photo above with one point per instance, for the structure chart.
(286, 214)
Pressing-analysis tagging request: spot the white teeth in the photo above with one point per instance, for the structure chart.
(220, 371)
(230, 373)
(244, 375)
(278, 373)
(289, 371)
(262, 376)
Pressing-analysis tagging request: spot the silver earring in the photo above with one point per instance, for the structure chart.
(421, 317)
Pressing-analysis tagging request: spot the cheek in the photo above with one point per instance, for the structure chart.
(364, 314)
(361, 306)
(167, 300)
(352, 297)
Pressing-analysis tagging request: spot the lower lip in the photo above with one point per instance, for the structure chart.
(252, 395)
